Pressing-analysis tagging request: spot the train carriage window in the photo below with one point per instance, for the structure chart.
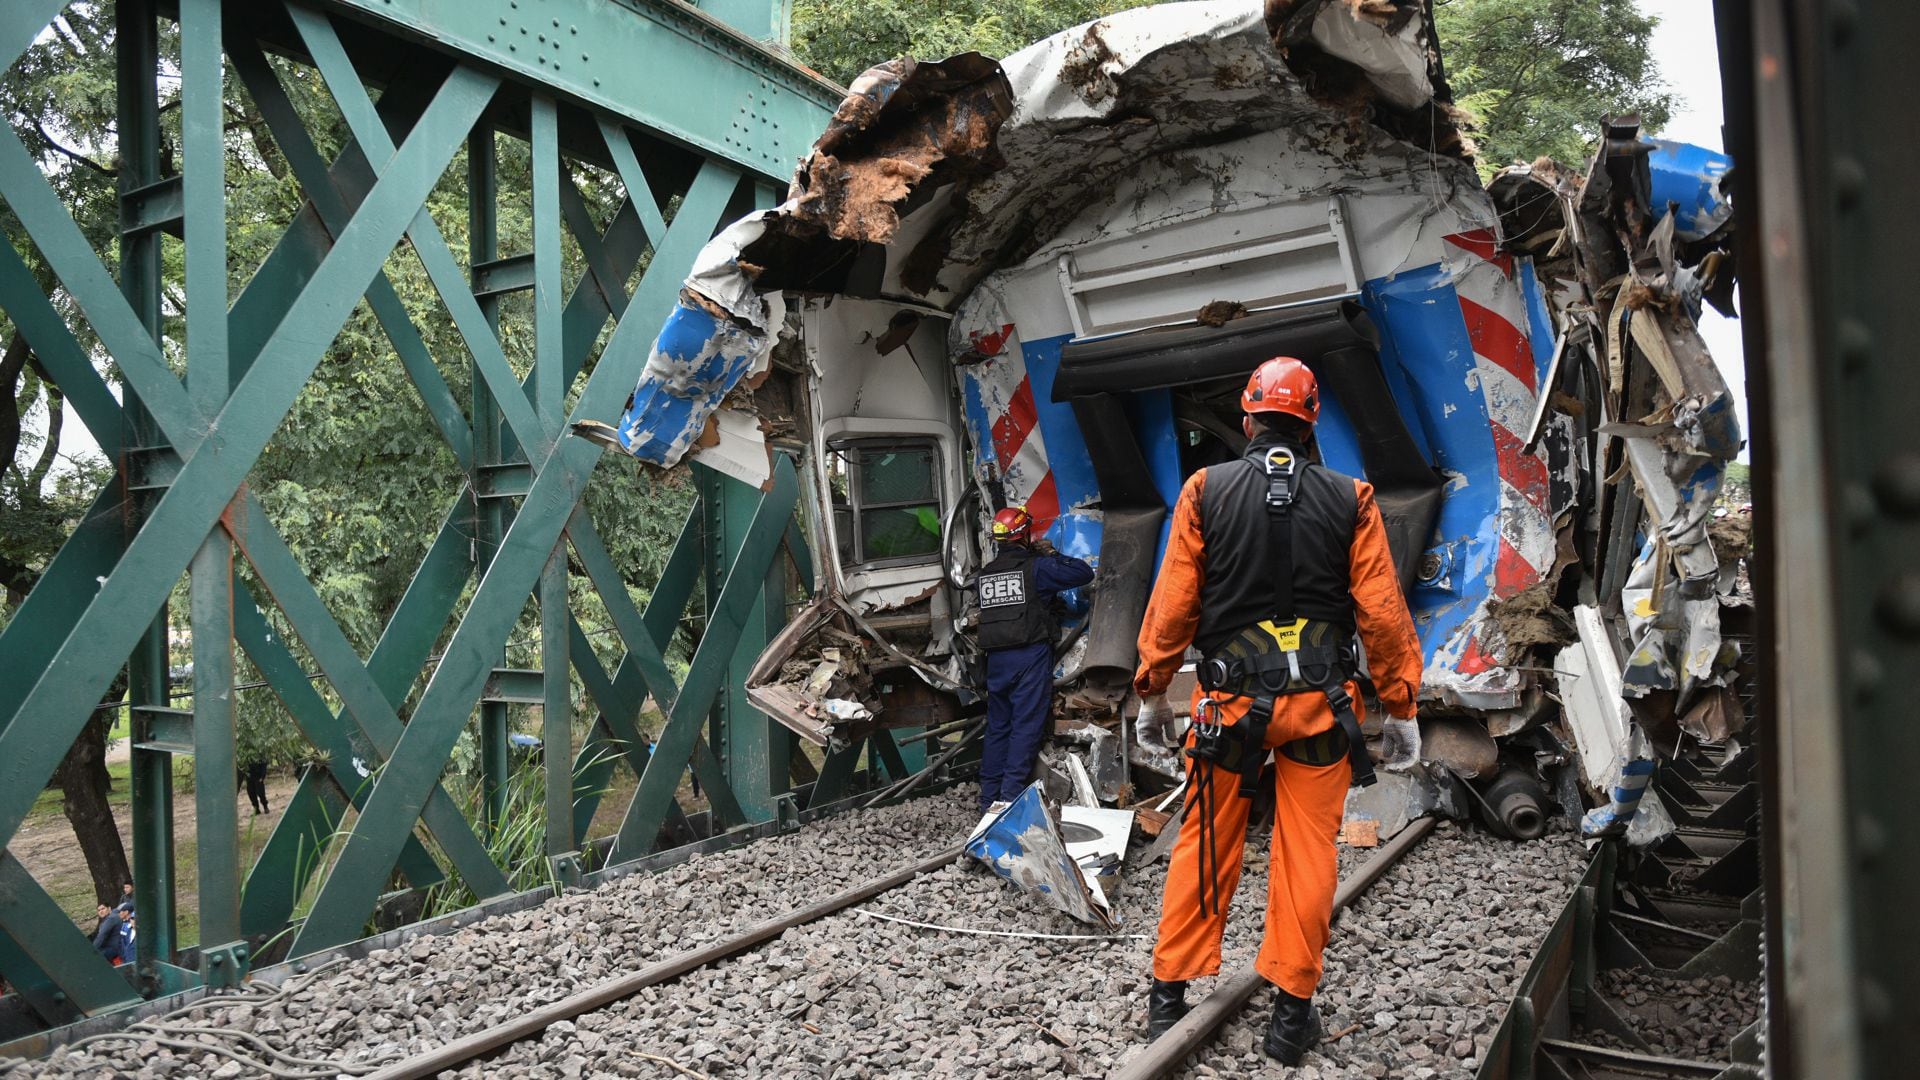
(886, 501)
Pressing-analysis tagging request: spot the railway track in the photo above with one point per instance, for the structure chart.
(1160, 1058)
(769, 964)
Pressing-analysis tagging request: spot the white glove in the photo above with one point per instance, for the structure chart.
(1399, 744)
(1154, 726)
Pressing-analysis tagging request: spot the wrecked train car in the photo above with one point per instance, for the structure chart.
(1043, 282)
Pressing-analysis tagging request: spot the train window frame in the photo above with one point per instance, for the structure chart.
(844, 468)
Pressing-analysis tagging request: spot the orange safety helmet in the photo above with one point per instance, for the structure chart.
(1012, 525)
(1283, 385)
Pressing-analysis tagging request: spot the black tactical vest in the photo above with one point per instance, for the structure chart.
(1011, 613)
(1237, 530)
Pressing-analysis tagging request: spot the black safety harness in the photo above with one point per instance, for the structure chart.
(1266, 675)
(1284, 655)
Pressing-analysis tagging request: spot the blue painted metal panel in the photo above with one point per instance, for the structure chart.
(695, 361)
(1540, 333)
(1690, 176)
(1424, 342)
(1023, 844)
(1075, 532)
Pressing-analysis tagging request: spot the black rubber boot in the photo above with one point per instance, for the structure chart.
(1166, 1004)
(1294, 1030)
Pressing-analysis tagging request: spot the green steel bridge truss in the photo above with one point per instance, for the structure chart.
(673, 102)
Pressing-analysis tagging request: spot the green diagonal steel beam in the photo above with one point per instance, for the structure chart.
(46, 616)
(351, 888)
(53, 342)
(424, 608)
(602, 275)
(618, 706)
(727, 95)
(643, 651)
(21, 21)
(620, 148)
(157, 556)
(662, 617)
(86, 280)
(48, 937)
(359, 694)
(456, 292)
(324, 187)
(726, 617)
(293, 851)
(350, 753)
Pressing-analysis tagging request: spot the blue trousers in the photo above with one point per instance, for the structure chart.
(1019, 696)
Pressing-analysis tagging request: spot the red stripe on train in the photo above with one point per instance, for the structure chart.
(1481, 242)
(1526, 472)
(1011, 430)
(1498, 340)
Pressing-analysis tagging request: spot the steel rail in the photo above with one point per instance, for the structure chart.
(1165, 1054)
(531, 1024)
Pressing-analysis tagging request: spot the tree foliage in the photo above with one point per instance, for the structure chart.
(842, 38)
(1540, 74)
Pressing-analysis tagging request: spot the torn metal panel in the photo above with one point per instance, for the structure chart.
(1025, 844)
(1616, 760)
(1399, 799)
(1386, 41)
(1692, 180)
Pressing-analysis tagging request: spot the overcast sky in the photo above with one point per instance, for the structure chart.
(1683, 49)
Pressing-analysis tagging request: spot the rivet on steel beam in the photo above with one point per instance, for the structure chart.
(1858, 508)
(1855, 343)
(1866, 673)
(1849, 180)
(1898, 605)
(1897, 483)
(1846, 16)
(1869, 838)
(1875, 1007)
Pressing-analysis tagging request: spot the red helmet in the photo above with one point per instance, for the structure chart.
(1012, 525)
(1283, 385)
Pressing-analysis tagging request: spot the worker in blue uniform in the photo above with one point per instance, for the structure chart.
(1016, 592)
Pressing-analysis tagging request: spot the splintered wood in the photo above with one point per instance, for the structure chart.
(1360, 832)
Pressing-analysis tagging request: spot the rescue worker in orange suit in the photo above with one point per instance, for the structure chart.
(1272, 564)
(1016, 592)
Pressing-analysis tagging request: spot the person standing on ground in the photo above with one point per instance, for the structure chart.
(1017, 624)
(126, 898)
(257, 785)
(128, 952)
(106, 934)
(1272, 564)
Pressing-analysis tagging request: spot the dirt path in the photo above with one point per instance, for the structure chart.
(46, 847)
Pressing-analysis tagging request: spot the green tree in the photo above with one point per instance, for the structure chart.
(358, 479)
(1538, 75)
(842, 38)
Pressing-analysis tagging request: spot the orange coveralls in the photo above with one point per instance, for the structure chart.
(1302, 870)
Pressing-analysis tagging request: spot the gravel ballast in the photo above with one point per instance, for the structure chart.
(856, 997)
(1424, 963)
(401, 1001)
